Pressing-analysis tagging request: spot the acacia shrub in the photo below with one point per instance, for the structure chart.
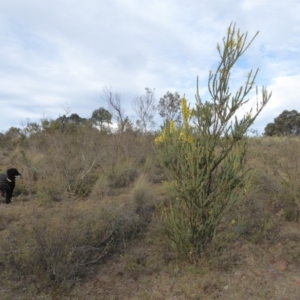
(203, 157)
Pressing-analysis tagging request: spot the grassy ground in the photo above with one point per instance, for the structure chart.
(262, 267)
(258, 256)
(247, 271)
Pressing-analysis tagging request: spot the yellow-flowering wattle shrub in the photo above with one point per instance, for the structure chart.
(181, 132)
(203, 157)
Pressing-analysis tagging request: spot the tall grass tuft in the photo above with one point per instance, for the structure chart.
(142, 195)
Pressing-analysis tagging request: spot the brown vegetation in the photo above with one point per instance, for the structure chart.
(84, 224)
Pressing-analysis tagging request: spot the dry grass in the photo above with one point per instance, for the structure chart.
(243, 271)
(256, 256)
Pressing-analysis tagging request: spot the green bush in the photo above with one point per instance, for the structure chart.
(142, 195)
(204, 156)
(122, 175)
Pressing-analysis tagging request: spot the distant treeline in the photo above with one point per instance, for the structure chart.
(113, 119)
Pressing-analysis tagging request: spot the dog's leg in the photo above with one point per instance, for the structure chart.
(8, 197)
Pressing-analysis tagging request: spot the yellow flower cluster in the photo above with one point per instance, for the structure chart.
(169, 184)
(170, 127)
(161, 138)
(185, 138)
(185, 111)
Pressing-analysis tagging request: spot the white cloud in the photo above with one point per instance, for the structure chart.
(55, 54)
(284, 97)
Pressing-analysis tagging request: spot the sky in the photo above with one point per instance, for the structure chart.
(57, 56)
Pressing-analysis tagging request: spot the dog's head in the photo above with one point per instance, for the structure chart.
(12, 174)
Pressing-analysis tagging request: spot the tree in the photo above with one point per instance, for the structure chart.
(101, 116)
(144, 107)
(64, 123)
(76, 119)
(114, 102)
(169, 107)
(204, 156)
(32, 128)
(13, 132)
(287, 123)
(64, 118)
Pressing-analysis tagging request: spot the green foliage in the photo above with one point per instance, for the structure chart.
(287, 123)
(204, 156)
(32, 128)
(101, 116)
(13, 132)
(46, 126)
(74, 118)
(142, 195)
(169, 107)
(86, 185)
(122, 175)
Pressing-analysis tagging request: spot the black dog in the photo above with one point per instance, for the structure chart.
(7, 183)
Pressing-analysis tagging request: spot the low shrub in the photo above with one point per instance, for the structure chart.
(122, 175)
(142, 196)
(101, 187)
(55, 245)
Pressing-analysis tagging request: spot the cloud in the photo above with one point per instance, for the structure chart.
(284, 97)
(55, 54)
